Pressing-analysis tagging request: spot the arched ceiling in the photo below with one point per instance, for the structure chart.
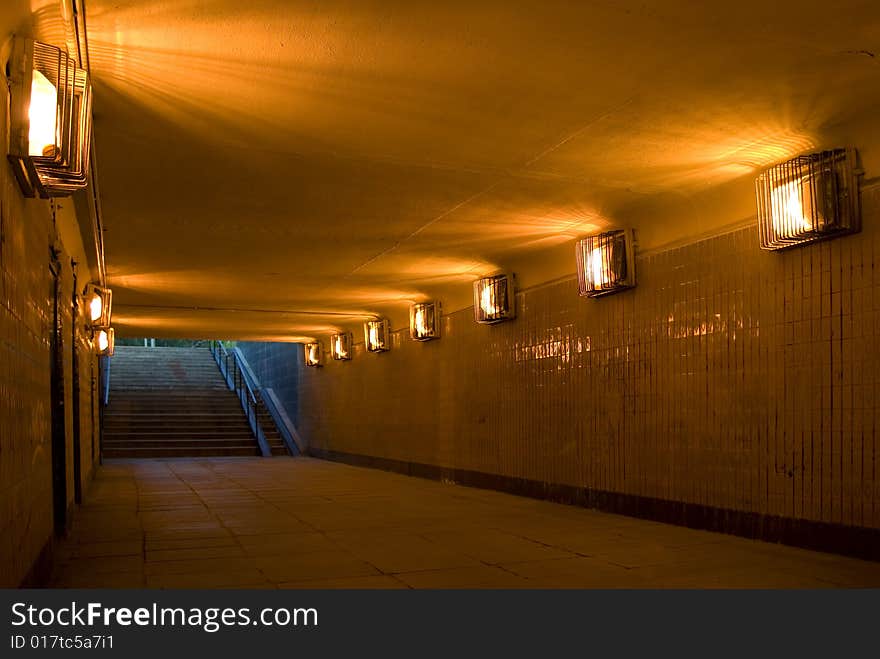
(273, 169)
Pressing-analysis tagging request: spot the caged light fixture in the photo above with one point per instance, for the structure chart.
(340, 346)
(314, 354)
(99, 302)
(809, 198)
(424, 321)
(50, 120)
(105, 341)
(494, 299)
(376, 335)
(606, 263)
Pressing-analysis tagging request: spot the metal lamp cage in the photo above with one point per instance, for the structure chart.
(92, 293)
(314, 354)
(340, 346)
(110, 337)
(606, 263)
(424, 321)
(377, 335)
(60, 166)
(808, 198)
(494, 299)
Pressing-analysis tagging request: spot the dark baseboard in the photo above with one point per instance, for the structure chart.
(40, 573)
(857, 541)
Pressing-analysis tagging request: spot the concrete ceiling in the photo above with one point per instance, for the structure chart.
(273, 169)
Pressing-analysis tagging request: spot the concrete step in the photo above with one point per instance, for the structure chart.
(205, 371)
(178, 403)
(182, 437)
(142, 365)
(175, 402)
(179, 435)
(146, 382)
(133, 364)
(173, 431)
(182, 413)
(168, 371)
(198, 444)
(181, 403)
(156, 421)
(226, 412)
(121, 428)
(158, 409)
(149, 384)
(180, 452)
(158, 393)
(167, 390)
(158, 387)
(173, 396)
(184, 373)
(147, 361)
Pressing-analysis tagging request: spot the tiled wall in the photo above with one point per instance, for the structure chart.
(25, 323)
(275, 365)
(730, 378)
(26, 522)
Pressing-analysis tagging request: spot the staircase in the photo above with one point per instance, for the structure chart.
(273, 436)
(173, 402)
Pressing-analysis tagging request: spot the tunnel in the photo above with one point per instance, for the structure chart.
(411, 295)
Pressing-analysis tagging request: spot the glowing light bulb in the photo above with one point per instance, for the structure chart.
(374, 336)
(597, 269)
(788, 209)
(487, 304)
(103, 341)
(340, 349)
(96, 308)
(421, 326)
(41, 116)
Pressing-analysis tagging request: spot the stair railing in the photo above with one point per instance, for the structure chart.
(237, 381)
(105, 372)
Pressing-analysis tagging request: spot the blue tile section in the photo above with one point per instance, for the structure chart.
(276, 366)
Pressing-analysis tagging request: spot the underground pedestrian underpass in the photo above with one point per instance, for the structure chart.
(416, 295)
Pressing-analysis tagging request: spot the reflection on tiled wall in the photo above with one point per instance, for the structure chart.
(274, 364)
(731, 378)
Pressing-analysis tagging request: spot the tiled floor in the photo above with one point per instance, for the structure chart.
(270, 523)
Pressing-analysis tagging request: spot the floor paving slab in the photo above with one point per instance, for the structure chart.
(306, 523)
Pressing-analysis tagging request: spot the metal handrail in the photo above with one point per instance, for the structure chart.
(246, 373)
(105, 395)
(236, 379)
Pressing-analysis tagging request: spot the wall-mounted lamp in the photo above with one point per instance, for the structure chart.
(424, 321)
(494, 299)
(105, 341)
(809, 198)
(606, 263)
(314, 353)
(377, 335)
(99, 303)
(50, 120)
(340, 346)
